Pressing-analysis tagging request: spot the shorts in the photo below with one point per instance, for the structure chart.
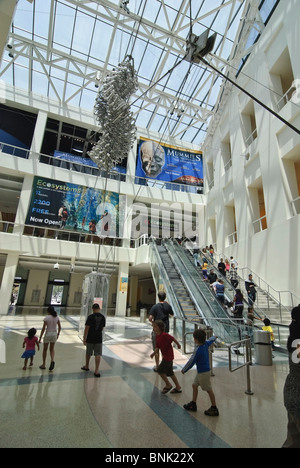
(203, 380)
(50, 337)
(94, 348)
(166, 367)
(28, 354)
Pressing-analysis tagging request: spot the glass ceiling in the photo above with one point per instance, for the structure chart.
(62, 49)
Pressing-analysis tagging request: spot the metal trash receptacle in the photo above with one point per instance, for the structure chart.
(262, 348)
(143, 315)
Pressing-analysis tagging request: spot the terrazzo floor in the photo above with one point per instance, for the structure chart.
(69, 408)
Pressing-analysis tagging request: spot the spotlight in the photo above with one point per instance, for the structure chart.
(98, 76)
(56, 266)
(199, 46)
(9, 45)
(124, 6)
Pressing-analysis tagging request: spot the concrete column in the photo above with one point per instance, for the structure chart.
(8, 282)
(127, 221)
(122, 289)
(134, 280)
(39, 133)
(23, 206)
(25, 196)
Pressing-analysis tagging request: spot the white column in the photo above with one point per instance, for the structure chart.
(8, 282)
(39, 133)
(25, 196)
(122, 289)
(127, 220)
(23, 206)
(134, 282)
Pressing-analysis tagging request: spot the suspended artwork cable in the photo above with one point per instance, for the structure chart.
(112, 110)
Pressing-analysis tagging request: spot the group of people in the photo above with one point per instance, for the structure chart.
(52, 327)
(92, 339)
(227, 269)
(162, 343)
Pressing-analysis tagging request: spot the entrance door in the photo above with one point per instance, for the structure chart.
(57, 294)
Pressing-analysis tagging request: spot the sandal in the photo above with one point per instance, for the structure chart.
(84, 368)
(176, 391)
(42, 367)
(166, 390)
(97, 375)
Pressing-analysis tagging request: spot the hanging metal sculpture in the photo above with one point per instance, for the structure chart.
(112, 109)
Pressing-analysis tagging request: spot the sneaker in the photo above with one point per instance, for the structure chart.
(212, 411)
(191, 406)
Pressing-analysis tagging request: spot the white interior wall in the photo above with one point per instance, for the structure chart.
(272, 253)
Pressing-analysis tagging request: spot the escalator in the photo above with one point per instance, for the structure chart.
(189, 296)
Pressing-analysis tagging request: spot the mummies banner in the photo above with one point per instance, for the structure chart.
(169, 163)
(62, 205)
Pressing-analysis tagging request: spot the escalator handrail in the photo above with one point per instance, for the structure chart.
(171, 295)
(213, 314)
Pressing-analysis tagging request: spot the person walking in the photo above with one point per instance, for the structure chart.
(93, 338)
(200, 357)
(160, 311)
(164, 344)
(52, 327)
(30, 342)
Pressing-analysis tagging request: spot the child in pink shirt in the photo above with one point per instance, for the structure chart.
(30, 342)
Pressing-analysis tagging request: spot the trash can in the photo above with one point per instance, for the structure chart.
(262, 348)
(143, 315)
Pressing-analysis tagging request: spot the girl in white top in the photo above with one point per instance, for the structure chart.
(53, 328)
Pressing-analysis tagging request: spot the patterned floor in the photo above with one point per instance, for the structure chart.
(125, 408)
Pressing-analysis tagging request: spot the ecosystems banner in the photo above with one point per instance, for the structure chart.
(169, 163)
(62, 205)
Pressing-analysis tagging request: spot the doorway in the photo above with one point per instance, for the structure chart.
(57, 294)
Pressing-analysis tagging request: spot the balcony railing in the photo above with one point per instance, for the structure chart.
(94, 171)
(287, 97)
(68, 235)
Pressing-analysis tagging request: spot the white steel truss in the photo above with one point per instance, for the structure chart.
(154, 32)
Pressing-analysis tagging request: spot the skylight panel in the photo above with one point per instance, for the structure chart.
(40, 83)
(64, 25)
(83, 29)
(41, 20)
(101, 40)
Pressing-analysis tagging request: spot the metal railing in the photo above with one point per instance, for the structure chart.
(247, 345)
(68, 235)
(89, 169)
(187, 329)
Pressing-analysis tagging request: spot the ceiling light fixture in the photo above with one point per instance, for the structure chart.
(199, 46)
(124, 6)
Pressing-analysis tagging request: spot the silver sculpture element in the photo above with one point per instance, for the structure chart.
(113, 113)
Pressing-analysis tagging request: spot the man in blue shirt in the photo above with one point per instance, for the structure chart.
(200, 357)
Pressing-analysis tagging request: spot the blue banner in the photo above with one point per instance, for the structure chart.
(169, 163)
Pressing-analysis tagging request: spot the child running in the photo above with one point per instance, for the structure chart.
(200, 357)
(165, 369)
(30, 342)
